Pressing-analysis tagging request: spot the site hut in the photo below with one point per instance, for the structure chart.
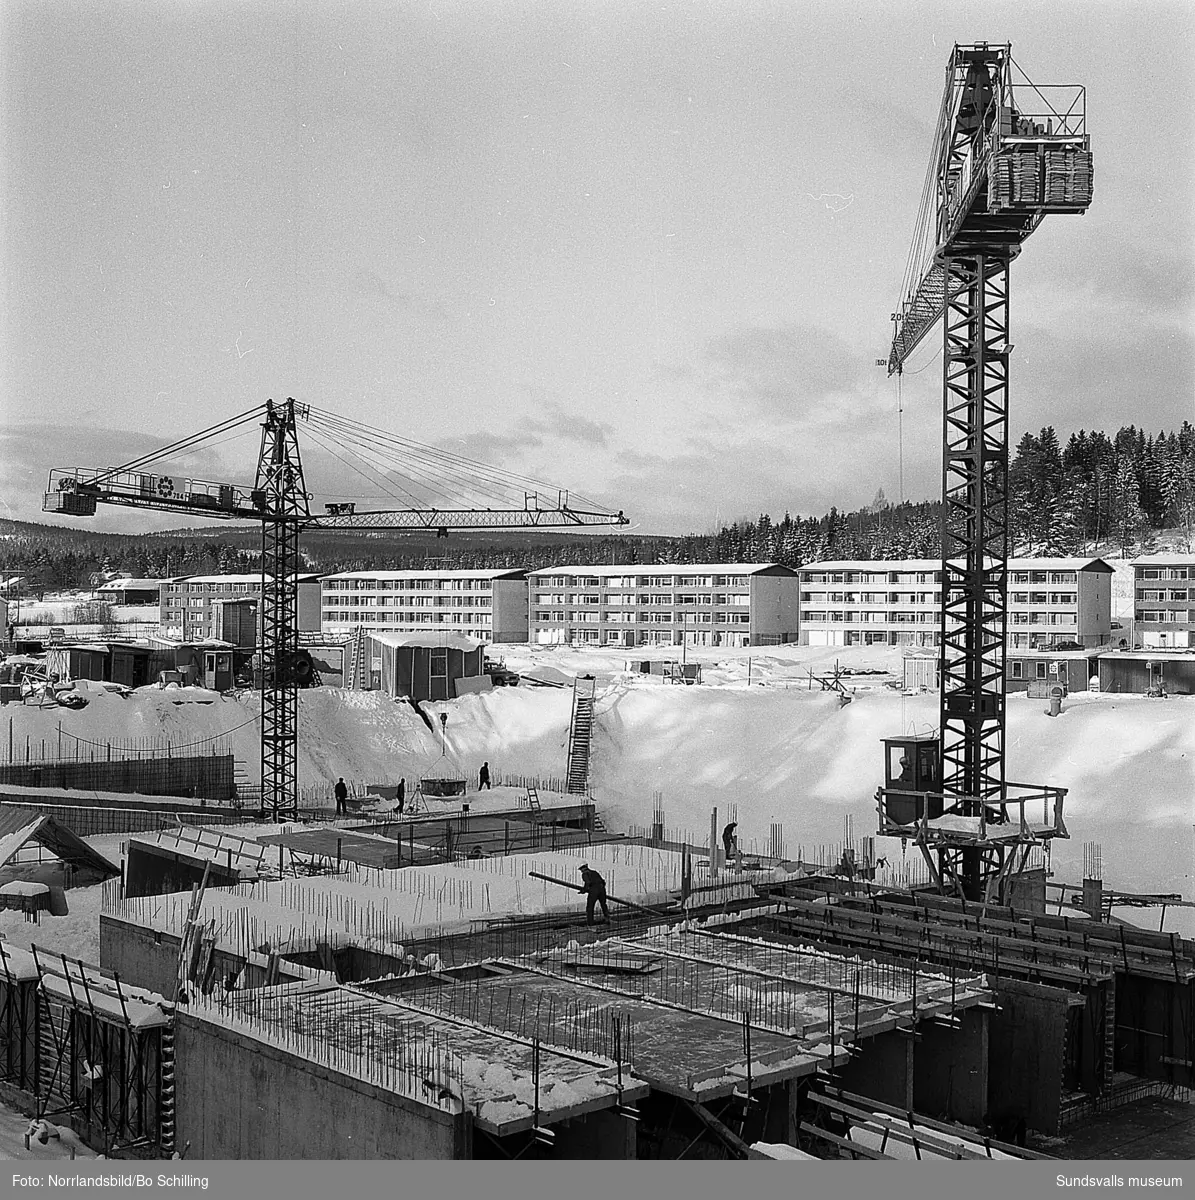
(1037, 671)
(1146, 672)
(1164, 600)
(1063, 603)
(670, 604)
(489, 605)
(426, 666)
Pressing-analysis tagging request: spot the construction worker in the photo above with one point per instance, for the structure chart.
(341, 792)
(402, 793)
(484, 777)
(730, 841)
(595, 888)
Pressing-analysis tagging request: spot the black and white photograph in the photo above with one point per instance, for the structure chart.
(597, 580)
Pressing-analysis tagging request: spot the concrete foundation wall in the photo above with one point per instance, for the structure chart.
(237, 1098)
(1027, 1047)
(147, 959)
(950, 1069)
(884, 1070)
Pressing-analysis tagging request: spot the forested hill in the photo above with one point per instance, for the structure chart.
(1117, 491)
(1097, 491)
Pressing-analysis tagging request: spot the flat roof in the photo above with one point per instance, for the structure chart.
(438, 641)
(476, 573)
(1160, 559)
(935, 564)
(663, 568)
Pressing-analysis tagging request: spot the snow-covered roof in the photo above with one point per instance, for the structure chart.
(474, 573)
(661, 568)
(1164, 558)
(935, 564)
(128, 585)
(219, 579)
(454, 641)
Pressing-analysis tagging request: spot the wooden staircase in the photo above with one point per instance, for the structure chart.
(580, 734)
(356, 673)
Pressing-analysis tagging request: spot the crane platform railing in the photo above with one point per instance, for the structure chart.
(968, 820)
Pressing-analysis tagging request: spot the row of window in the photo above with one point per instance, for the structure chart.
(1171, 616)
(407, 585)
(356, 602)
(633, 581)
(562, 616)
(871, 576)
(1157, 594)
(1166, 572)
(170, 590)
(409, 618)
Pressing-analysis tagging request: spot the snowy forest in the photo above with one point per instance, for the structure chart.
(1096, 494)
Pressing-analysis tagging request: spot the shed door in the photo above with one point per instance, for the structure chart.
(438, 672)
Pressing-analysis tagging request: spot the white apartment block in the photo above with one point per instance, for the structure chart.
(1051, 602)
(669, 604)
(1164, 600)
(488, 605)
(189, 605)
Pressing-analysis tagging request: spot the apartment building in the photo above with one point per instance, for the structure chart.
(190, 607)
(1052, 602)
(1164, 600)
(704, 604)
(488, 605)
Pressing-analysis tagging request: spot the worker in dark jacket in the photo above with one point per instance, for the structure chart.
(595, 888)
(730, 841)
(484, 777)
(341, 792)
(402, 794)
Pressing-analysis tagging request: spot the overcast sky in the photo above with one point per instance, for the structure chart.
(645, 251)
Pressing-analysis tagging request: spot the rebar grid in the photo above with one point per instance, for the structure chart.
(341, 1030)
(582, 1024)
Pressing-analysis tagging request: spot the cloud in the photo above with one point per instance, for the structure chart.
(571, 428)
(488, 447)
(785, 372)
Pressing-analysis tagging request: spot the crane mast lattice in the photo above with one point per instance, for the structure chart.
(1005, 155)
(279, 500)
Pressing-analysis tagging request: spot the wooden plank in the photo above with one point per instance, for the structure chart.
(835, 1140)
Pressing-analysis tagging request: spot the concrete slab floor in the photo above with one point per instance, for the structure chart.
(1147, 1129)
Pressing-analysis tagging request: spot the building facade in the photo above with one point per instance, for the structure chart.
(488, 605)
(669, 604)
(1164, 601)
(191, 607)
(1061, 603)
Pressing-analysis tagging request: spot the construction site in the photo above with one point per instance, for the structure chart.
(510, 969)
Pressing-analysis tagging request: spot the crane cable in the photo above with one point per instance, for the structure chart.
(185, 443)
(421, 464)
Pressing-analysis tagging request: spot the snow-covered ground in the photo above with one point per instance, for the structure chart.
(771, 750)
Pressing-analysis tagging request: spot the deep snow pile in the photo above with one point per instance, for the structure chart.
(775, 750)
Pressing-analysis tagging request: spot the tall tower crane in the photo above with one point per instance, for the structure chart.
(1005, 155)
(279, 500)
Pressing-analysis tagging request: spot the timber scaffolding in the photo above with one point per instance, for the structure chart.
(738, 1037)
(1113, 1004)
(82, 1048)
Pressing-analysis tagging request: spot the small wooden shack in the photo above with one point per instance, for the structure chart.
(427, 666)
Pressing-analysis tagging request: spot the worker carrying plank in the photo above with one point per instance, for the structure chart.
(595, 888)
